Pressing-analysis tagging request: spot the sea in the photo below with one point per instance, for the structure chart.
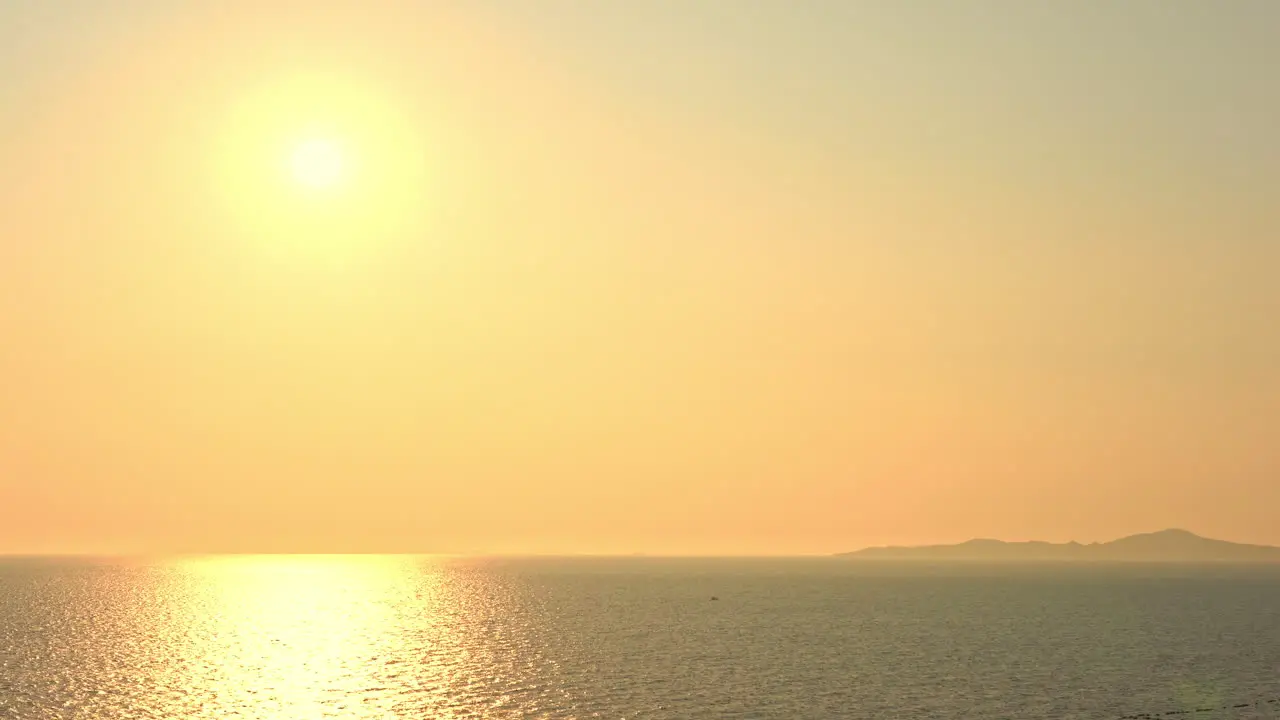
(308, 637)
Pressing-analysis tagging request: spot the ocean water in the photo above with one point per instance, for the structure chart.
(405, 637)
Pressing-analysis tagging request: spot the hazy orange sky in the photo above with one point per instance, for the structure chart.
(706, 276)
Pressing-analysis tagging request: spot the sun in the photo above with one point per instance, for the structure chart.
(318, 163)
(325, 163)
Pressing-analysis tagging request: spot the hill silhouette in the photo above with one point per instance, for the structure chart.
(1172, 545)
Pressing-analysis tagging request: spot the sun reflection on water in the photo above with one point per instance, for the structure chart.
(307, 637)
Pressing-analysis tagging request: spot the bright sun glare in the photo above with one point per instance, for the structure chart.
(318, 163)
(324, 163)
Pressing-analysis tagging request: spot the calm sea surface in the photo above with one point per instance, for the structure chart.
(400, 637)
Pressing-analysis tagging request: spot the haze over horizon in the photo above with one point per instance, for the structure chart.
(667, 278)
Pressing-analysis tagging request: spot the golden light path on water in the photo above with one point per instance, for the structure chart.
(316, 637)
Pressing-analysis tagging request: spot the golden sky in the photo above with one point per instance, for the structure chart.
(666, 277)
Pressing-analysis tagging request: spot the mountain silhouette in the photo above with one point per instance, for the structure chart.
(1164, 546)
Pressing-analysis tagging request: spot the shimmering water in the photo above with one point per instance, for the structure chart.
(399, 637)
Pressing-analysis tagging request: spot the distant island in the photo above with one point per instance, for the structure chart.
(1164, 546)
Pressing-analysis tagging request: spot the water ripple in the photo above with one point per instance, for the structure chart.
(400, 637)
